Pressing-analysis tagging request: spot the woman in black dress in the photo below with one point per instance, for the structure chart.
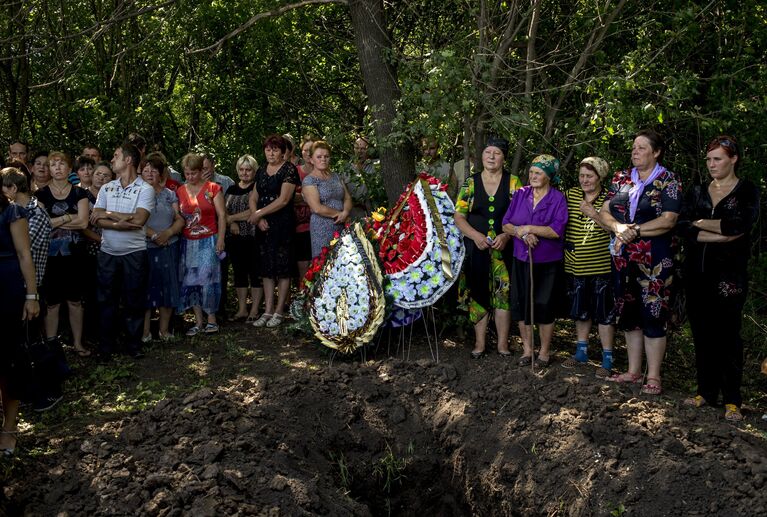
(17, 304)
(241, 240)
(717, 220)
(271, 206)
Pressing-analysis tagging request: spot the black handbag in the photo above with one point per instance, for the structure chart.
(36, 364)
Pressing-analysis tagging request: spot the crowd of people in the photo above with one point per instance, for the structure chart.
(609, 254)
(118, 240)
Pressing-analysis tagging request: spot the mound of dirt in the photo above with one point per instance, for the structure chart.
(408, 438)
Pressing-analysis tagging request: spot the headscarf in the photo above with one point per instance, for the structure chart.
(549, 165)
(601, 166)
(500, 143)
(635, 194)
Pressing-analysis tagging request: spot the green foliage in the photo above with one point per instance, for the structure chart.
(390, 469)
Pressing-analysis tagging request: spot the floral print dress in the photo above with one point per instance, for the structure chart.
(643, 270)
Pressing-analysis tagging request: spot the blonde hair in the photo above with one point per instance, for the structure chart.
(246, 158)
(193, 161)
(320, 144)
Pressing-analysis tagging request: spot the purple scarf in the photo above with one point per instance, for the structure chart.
(639, 185)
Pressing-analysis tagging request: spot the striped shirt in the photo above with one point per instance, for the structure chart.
(586, 243)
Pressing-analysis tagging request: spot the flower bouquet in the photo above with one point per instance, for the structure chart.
(420, 246)
(346, 299)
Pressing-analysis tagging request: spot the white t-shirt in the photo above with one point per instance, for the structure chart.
(114, 198)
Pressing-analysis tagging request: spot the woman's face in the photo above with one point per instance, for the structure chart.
(193, 176)
(245, 172)
(273, 155)
(492, 158)
(306, 151)
(101, 176)
(59, 169)
(321, 160)
(538, 178)
(642, 155)
(85, 173)
(40, 171)
(589, 180)
(151, 175)
(720, 165)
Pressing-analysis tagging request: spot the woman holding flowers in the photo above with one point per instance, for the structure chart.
(481, 203)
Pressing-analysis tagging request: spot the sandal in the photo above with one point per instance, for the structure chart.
(239, 317)
(251, 318)
(193, 331)
(477, 355)
(696, 401)
(541, 363)
(275, 320)
(525, 360)
(260, 322)
(572, 362)
(211, 328)
(652, 389)
(732, 413)
(504, 353)
(626, 378)
(603, 373)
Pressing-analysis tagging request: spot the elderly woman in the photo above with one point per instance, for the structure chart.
(201, 204)
(17, 304)
(717, 220)
(536, 219)
(644, 203)
(587, 265)
(271, 209)
(326, 195)
(482, 201)
(162, 229)
(67, 206)
(241, 240)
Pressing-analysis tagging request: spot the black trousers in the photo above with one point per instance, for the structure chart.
(123, 279)
(715, 314)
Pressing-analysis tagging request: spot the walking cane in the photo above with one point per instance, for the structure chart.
(532, 306)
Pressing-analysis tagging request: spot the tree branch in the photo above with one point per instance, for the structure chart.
(260, 16)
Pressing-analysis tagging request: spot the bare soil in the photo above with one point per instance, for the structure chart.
(277, 429)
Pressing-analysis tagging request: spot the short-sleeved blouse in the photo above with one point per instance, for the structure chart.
(60, 237)
(10, 214)
(163, 215)
(550, 211)
(237, 202)
(281, 222)
(587, 245)
(663, 195)
(199, 211)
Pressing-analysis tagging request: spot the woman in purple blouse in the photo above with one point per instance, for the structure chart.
(536, 218)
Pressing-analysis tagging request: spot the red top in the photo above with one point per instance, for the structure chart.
(199, 212)
(172, 184)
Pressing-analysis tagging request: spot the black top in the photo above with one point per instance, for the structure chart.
(487, 211)
(738, 212)
(236, 202)
(282, 222)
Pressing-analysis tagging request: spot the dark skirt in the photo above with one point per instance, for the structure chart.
(11, 308)
(548, 295)
(591, 298)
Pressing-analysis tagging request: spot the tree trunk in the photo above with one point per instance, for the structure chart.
(380, 78)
